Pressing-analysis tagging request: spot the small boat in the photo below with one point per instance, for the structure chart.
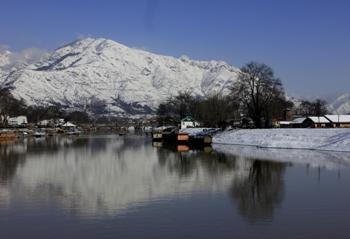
(200, 137)
(157, 133)
(173, 136)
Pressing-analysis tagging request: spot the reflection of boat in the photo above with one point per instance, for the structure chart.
(182, 148)
(39, 133)
(157, 144)
(122, 131)
(73, 132)
(50, 132)
(22, 133)
(6, 136)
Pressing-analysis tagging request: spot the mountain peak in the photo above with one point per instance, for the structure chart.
(129, 81)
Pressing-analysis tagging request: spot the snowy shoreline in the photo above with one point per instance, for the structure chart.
(311, 139)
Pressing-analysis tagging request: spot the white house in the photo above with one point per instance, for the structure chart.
(44, 123)
(189, 122)
(18, 121)
(59, 122)
(316, 122)
(69, 125)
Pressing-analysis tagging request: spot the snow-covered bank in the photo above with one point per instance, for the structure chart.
(316, 139)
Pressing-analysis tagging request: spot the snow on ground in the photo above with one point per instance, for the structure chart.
(316, 139)
(313, 158)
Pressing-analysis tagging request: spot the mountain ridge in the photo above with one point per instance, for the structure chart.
(130, 80)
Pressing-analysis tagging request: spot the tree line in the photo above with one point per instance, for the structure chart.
(257, 96)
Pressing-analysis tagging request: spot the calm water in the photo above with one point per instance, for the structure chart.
(123, 187)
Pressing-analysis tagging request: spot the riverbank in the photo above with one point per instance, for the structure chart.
(314, 139)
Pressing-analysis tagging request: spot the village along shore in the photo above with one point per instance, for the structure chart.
(326, 133)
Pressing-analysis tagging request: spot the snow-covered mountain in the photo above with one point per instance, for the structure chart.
(11, 62)
(130, 81)
(4, 63)
(341, 105)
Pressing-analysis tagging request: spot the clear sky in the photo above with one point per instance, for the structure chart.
(306, 42)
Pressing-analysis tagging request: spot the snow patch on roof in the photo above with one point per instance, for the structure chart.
(339, 118)
(319, 119)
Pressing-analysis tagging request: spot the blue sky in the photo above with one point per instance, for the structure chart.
(306, 42)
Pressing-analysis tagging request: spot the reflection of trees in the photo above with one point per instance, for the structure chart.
(9, 161)
(217, 163)
(261, 192)
(42, 145)
(187, 163)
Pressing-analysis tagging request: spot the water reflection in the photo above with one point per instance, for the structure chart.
(9, 160)
(108, 175)
(313, 158)
(111, 175)
(261, 192)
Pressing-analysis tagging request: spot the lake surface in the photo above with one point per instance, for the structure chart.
(124, 187)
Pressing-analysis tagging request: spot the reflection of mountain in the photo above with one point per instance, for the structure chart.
(109, 175)
(259, 194)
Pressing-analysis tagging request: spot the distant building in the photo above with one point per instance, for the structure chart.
(316, 122)
(327, 121)
(17, 121)
(189, 122)
(339, 121)
(69, 125)
(284, 124)
(59, 122)
(296, 123)
(44, 123)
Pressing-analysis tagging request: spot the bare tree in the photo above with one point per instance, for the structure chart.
(257, 90)
(211, 111)
(317, 107)
(9, 106)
